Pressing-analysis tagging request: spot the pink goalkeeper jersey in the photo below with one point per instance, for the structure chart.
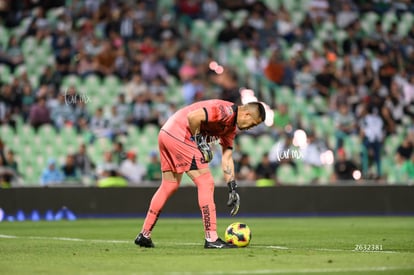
(219, 125)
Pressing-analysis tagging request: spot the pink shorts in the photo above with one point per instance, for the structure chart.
(177, 155)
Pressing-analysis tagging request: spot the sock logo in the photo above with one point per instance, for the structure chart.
(206, 217)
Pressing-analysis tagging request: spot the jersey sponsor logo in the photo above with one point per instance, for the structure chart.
(223, 111)
(229, 110)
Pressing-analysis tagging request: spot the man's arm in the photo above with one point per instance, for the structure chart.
(227, 164)
(194, 120)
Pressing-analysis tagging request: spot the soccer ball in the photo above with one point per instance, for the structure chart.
(238, 234)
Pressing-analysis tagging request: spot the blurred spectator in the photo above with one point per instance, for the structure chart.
(86, 65)
(2, 152)
(116, 123)
(312, 156)
(196, 54)
(51, 78)
(9, 105)
(275, 68)
(64, 62)
(107, 165)
(227, 83)
(70, 171)
(408, 89)
(141, 111)
(304, 82)
(228, 33)
(105, 59)
(285, 26)
(265, 172)
(346, 15)
(152, 67)
(83, 162)
(11, 162)
(81, 113)
(93, 46)
(344, 124)
(39, 113)
(193, 90)
(153, 167)
(188, 9)
(52, 174)
(210, 10)
(317, 62)
(344, 168)
(60, 38)
(256, 61)
(401, 170)
(136, 86)
(161, 108)
(325, 80)
(6, 175)
(99, 124)
(156, 87)
(170, 48)
(62, 114)
(123, 108)
(371, 131)
(118, 152)
(126, 24)
(244, 169)
(318, 10)
(406, 148)
(281, 120)
(12, 54)
(393, 110)
(131, 169)
(187, 70)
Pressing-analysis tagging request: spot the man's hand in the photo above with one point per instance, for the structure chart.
(234, 198)
(203, 147)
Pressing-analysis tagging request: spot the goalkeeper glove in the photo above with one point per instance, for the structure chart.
(203, 147)
(234, 198)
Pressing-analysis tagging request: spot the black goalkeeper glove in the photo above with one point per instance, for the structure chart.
(203, 147)
(234, 198)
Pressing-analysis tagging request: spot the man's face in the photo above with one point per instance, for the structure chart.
(246, 121)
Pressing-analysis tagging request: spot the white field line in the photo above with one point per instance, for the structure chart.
(189, 244)
(298, 271)
(241, 272)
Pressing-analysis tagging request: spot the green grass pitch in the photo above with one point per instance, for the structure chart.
(329, 245)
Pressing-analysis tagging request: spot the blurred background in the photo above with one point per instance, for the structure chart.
(86, 85)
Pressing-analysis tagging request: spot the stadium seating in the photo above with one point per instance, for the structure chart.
(34, 148)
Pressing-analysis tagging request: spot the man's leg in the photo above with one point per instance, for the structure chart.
(205, 190)
(169, 184)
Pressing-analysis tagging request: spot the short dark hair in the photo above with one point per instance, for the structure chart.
(259, 106)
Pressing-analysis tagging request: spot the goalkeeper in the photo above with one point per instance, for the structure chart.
(184, 147)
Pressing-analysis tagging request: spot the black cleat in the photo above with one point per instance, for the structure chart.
(143, 242)
(219, 243)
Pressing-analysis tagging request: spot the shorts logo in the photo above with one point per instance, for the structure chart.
(180, 165)
(179, 157)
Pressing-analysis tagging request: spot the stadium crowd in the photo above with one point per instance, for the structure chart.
(311, 60)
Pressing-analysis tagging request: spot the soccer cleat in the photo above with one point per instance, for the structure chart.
(219, 243)
(143, 242)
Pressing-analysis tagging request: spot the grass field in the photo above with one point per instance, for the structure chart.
(279, 246)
